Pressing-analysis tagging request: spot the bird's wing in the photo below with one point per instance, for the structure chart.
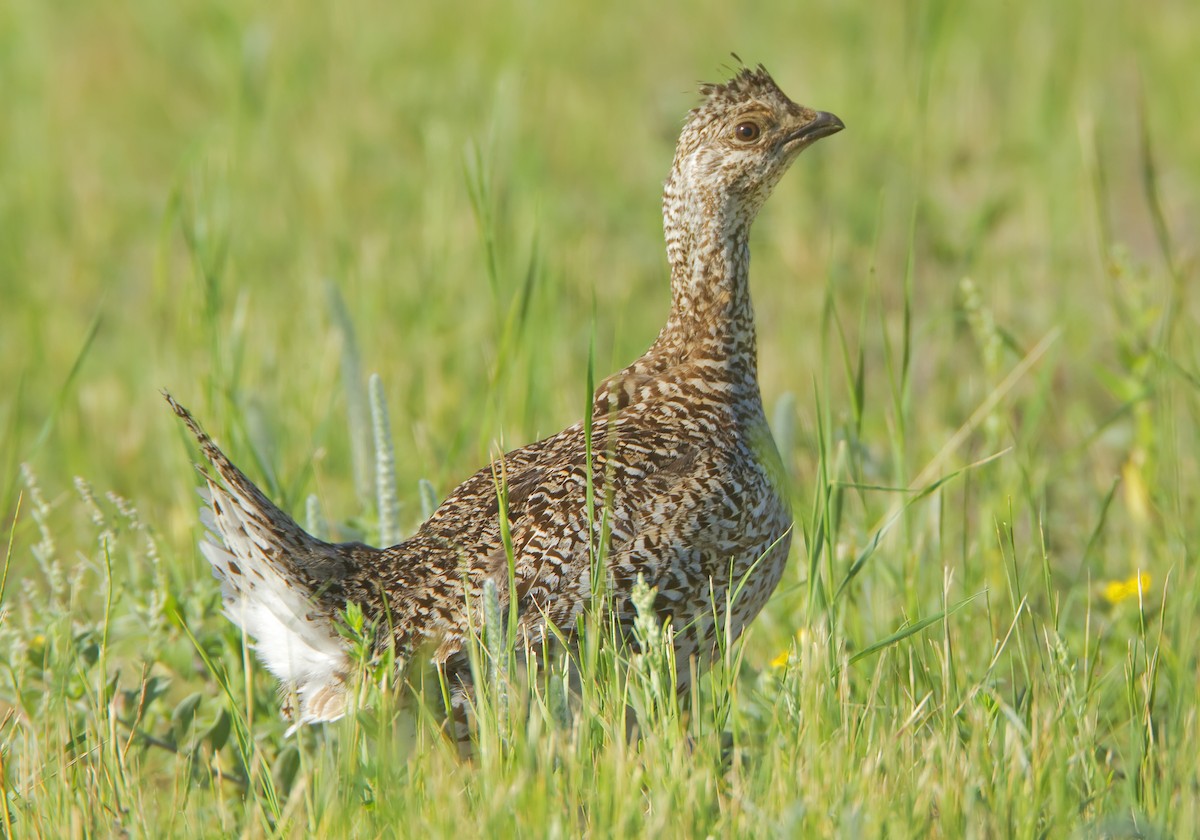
(653, 498)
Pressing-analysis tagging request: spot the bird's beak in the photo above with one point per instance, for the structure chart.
(822, 125)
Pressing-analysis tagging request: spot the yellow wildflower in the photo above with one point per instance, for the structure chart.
(782, 659)
(1116, 591)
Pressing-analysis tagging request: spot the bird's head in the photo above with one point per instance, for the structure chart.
(738, 143)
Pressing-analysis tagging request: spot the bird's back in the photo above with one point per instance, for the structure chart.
(684, 491)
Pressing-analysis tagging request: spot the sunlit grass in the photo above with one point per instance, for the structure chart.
(977, 350)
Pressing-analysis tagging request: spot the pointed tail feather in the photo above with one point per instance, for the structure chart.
(276, 581)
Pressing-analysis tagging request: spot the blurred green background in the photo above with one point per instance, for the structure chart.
(999, 254)
(186, 176)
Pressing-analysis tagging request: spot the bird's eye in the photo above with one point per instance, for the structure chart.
(747, 131)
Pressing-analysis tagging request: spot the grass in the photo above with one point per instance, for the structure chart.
(977, 344)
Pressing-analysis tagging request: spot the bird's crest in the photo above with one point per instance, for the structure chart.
(746, 84)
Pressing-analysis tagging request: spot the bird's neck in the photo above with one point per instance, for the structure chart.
(708, 248)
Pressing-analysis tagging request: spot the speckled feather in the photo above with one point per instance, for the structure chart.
(685, 474)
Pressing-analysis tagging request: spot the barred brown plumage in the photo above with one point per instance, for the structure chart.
(685, 476)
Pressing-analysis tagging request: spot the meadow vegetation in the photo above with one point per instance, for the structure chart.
(977, 329)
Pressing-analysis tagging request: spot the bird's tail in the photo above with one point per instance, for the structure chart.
(278, 582)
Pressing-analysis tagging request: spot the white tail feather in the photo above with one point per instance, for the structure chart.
(297, 645)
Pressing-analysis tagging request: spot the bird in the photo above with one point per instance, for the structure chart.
(676, 472)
